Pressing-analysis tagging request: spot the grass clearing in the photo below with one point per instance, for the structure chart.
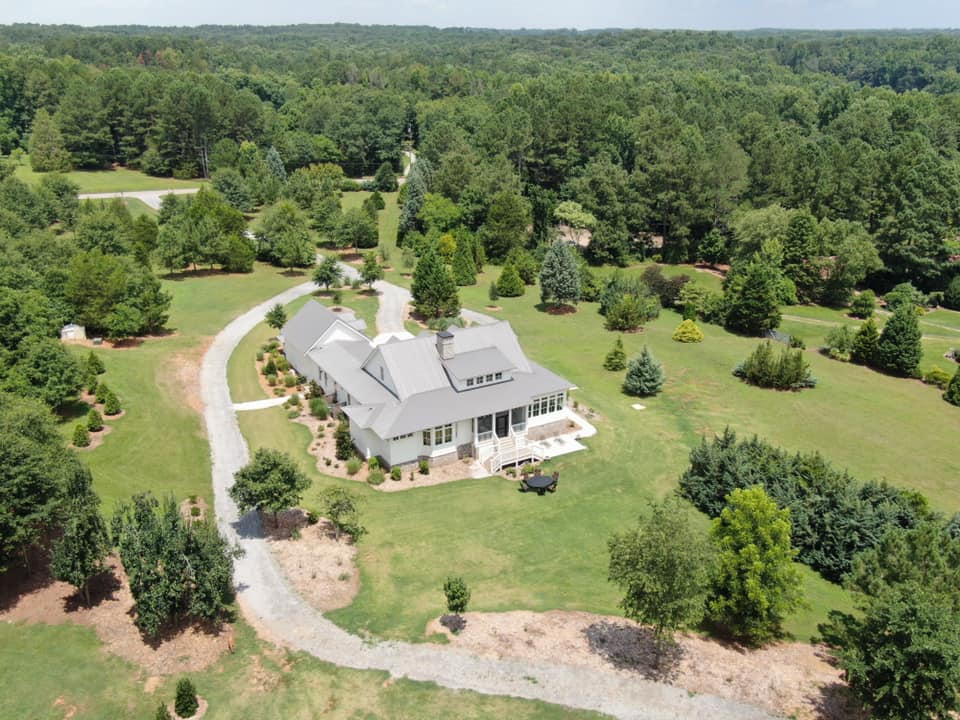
(520, 551)
(118, 179)
(57, 671)
(159, 444)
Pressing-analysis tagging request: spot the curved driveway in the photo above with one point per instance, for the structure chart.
(286, 618)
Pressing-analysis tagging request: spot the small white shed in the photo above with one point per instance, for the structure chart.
(73, 332)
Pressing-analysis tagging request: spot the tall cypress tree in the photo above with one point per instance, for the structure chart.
(899, 348)
(560, 275)
(464, 269)
(864, 348)
(753, 301)
(433, 289)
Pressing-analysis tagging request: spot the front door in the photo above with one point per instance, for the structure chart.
(502, 424)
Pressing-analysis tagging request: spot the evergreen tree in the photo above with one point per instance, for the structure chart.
(756, 585)
(94, 364)
(616, 359)
(186, 700)
(464, 269)
(94, 421)
(162, 713)
(952, 393)
(79, 553)
(688, 332)
(509, 284)
(47, 150)
(753, 307)
(899, 349)
(560, 275)
(386, 179)
(493, 294)
(863, 305)
(864, 347)
(433, 288)
(951, 296)
(275, 164)
(111, 404)
(81, 436)
(416, 188)
(799, 251)
(644, 375)
(344, 442)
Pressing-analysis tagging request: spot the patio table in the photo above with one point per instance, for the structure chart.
(540, 483)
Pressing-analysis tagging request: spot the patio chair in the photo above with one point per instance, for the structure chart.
(553, 485)
(523, 486)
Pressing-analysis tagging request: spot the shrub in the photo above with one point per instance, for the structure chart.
(94, 364)
(834, 516)
(938, 377)
(282, 364)
(318, 408)
(278, 391)
(95, 421)
(688, 332)
(111, 405)
(644, 375)
(457, 594)
(259, 356)
(162, 713)
(904, 294)
(863, 305)
(630, 311)
(271, 380)
(355, 284)
(293, 414)
(424, 467)
(312, 517)
(337, 297)
(951, 296)
(838, 343)
(344, 442)
(294, 400)
(899, 348)
(270, 367)
(492, 293)
(797, 343)
(195, 511)
(376, 477)
(353, 466)
(396, 473)
(100, 394)
(616, 359)
(952, 395)
(510, 284)
(289, 380)
(373, 463)
(186, 701)
(81, 435)
(789, 371)
(314, 390)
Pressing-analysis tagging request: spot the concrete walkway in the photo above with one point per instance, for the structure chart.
(259, 404)
(153, 198)
(275, 608)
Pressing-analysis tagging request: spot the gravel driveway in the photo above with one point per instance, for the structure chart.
(286, 618)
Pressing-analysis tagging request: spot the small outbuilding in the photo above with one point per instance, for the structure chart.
(73, 333)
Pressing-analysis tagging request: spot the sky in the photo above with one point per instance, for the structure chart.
(580, 14)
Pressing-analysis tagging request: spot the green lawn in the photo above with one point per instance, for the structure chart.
(57, 671)
(538, 553)
(135, 206)
(115, 180)
(159, 444)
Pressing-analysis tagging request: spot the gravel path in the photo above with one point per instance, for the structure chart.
(286, 618)
(153, 198)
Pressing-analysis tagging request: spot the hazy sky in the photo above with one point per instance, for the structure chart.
(697, 14)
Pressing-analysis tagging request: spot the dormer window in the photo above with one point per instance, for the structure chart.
(498, 376)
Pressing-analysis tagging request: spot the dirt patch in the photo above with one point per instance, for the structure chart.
(188, 512)
(791, 679)
(179, 375)
(560, 309)
(35, 598)
(719, 270)
(493, 308)
(320, 568)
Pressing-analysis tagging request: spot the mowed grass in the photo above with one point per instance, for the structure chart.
(119, 179)
(57, 671)
(539, 553)
(159, 444)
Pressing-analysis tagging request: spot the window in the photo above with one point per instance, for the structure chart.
(479, 379)
(498, 376)
(440, 435)
(402, 437)
(545, 405)
(469, 382)
(489, 378)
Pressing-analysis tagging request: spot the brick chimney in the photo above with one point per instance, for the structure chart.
(445, 345)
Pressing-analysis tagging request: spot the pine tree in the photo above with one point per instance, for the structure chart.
(94, 364)
(275, 164)
(81, 436)
(616, 359)
(899, 349)
(186, 701)
(509, 283)
(644, 375)
(111, 404)
(560, 275)
(464, 269)
(433, 289)
(688, 332)
(493, 293)
(48, 153)
(79, 553)
(753, 301)
(416, 188)
(162, 713)
(864, 348)
(94, 421)
(952, 394)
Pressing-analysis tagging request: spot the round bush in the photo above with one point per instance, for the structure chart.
(688, 332)
(938, 377)
(353, 466)
(94, 421)
(318, 408)
(111, 405)
(81, 436)
(376, 477)
(396, 473)
(289, 380)
(271, 380)
(100, 393)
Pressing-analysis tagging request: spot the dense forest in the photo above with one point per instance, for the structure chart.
(837, 150)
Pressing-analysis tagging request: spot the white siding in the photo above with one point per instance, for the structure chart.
(368, 442)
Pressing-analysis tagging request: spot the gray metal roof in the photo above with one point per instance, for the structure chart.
(478, 362)
(306, 327)
(498, 335)
(413, 364)
(342, 361)
(446, 405)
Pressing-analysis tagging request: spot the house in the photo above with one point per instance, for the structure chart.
(464, 392)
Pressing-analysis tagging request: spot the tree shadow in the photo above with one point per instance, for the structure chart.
(633, 648)
(22, 580)
(102, 587)
(294, 272)
(171, 630)
(73, 410)
(555, 309)
(836, 701)
(181, 275)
